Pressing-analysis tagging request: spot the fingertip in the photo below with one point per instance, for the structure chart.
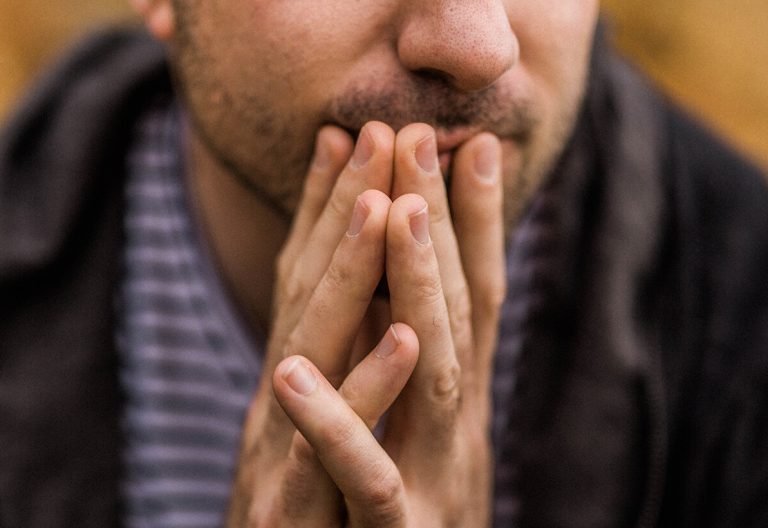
(477, 186)
(400, 347)
(487, 157)
(370, 163)
(333, 147)
(381, 133)
(372, 204)
(404, 333)
(410, 135)
(375, 199)
(479, 161)
(409, 220)
(374, 138)
(417, 166)
(296, 374)
(408, 205)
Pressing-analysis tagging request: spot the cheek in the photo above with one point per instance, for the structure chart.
(555, 42)
(293, 62)
(555, 36)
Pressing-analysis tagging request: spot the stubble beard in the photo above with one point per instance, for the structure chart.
(261, 150)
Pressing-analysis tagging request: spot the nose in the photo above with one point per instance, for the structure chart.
(468, 43)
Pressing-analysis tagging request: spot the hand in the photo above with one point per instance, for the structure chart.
(327, 272)
(434, 465)
(449, 291)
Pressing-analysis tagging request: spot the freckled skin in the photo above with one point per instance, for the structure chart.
(262, 76)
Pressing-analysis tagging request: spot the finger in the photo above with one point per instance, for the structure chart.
(366, 476)
(417, 170)
(369, 168)
(308, 494)
(333, 148)
(327, 328)
(418, 300)
(372, 386)
(476, 199)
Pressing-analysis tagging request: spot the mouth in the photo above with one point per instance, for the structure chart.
(448, 142)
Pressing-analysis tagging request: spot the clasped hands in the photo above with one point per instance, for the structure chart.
(310, 457)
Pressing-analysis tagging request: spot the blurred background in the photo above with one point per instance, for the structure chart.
(710, 55)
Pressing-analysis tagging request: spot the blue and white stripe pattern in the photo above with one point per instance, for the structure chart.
(187, 368)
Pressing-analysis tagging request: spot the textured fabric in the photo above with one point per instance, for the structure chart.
(640, 386)
(188, 371)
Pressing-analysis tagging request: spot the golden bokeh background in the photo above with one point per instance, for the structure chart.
(710, 55)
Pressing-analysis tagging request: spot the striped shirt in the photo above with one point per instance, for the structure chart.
(189, 367)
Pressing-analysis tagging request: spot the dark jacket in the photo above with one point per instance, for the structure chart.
(643, 390)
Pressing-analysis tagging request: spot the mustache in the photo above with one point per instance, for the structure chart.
(437, 103)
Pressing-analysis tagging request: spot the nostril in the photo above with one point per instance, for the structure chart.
(434, 74)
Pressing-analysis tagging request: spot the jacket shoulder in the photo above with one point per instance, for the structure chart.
(720, 217)
(67, 137)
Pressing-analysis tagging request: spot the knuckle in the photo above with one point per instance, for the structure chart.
(353, 280)
(338, 277)
(294, 291)
(439, 212)
(428, 288)
(291, 290)
(384, 493)
(338, 206)
(445, 392)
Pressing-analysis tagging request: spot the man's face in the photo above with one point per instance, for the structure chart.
(262, 76)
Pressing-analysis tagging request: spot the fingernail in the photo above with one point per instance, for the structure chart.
(419, 223)
(388, 343)
(426, 153)
(363, 149)
(300, 378)
(487, 161)
(359, 214)
(322, 156)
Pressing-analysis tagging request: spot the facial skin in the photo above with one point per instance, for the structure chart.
(261, 77)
